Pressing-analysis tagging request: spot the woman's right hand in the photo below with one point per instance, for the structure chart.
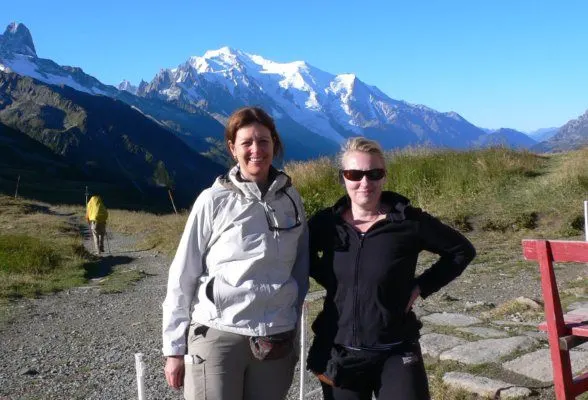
(324, 379)
(174, 371)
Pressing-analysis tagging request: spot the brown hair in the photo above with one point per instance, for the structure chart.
(249, 115)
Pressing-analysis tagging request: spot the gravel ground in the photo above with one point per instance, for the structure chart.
(80, 343)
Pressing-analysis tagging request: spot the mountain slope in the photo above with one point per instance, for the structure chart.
(507, 138)
(105, 138)
(17, 54)
(573, 135)
(543, 134)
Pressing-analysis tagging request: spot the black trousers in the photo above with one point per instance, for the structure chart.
(402, 376)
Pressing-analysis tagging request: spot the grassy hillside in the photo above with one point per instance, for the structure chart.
(495, 196)
(40, 252)
(485, 190)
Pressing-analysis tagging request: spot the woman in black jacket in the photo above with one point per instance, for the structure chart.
(364, 252)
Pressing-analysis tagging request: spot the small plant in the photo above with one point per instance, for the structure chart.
(495, 225)
(519, 308)
(572, 226)
(526, 220)
(462, 222)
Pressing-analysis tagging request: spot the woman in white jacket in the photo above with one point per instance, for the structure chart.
(243, 263)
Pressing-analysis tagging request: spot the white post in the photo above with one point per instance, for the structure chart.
(140, 367)
(586, 218)
(302, 349)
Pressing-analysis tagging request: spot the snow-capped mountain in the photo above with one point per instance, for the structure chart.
(331, 106)
(17, 54)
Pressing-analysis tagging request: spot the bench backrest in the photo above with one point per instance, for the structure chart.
(558, 250)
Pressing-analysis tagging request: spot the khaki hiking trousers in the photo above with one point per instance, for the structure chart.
(98, 233)
(220, 366)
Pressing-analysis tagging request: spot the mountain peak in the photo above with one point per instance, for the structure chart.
(128, 86)
(17, 39)
(223, 52)
(348, 78)
(454, 115)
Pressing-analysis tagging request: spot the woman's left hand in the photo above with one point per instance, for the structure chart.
(416, 292)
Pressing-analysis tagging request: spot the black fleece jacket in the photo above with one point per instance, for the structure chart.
(369, 277)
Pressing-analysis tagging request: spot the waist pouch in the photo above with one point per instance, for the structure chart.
(272, 347)
(353, 369)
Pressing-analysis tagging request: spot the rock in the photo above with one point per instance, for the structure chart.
(485, 333)
(448, 297)
(536, 334)
(583, 347)
(487, 350)
(477, 305)
(514, 323)
(532, 304)
(577, 305)
(450, 319)
(579, 311)
(484, 386)
(537, 365)
(28, 371)
(433, 344)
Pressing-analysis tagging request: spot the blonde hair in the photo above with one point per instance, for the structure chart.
(363, 145)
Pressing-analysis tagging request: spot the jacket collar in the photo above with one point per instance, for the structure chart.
(232, 180)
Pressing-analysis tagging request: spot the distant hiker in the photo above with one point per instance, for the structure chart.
(363, 251)
(96, 216)
(243, 261)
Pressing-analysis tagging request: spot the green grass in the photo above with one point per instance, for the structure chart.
(21, 254)
(495, 196)
(492, 190)
(40, 252)
(119, 280)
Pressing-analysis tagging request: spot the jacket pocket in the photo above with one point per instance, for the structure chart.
(210, 291)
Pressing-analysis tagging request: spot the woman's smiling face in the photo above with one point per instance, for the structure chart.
(254, 151)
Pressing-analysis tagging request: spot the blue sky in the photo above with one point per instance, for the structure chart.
(521, 64)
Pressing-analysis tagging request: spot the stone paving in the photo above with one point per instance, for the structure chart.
(514, 347)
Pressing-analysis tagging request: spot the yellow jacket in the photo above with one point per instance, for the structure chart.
(96, 210)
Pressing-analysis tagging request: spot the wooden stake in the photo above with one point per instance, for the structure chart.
(172, 200)
(16, 191)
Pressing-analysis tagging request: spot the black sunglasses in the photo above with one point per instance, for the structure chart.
(297, 222)
(357, 174)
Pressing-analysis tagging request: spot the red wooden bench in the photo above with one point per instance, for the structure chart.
(564, 331)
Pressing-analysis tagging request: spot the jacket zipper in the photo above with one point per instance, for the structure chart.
(356, 289)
